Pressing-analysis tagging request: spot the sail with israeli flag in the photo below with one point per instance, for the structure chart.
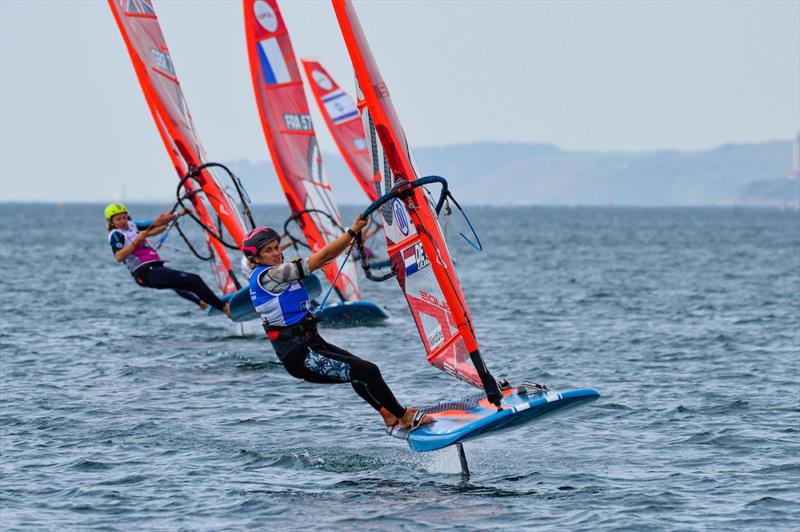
(287, 126)
(344, 122)
(155, 71)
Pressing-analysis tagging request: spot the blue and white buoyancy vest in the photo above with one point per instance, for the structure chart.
(142, 253)
(286, 308)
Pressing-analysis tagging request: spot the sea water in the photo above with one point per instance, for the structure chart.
(128, 408)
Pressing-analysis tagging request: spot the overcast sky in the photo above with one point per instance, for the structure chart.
(599, 76)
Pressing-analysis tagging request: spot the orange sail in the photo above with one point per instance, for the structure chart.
(343, 121)
(414, 239)
(153, 65)
(287, 126)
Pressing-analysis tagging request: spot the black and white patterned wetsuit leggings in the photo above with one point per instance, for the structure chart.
(309, 357)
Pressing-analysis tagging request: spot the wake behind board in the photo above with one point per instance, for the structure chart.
(474, 417)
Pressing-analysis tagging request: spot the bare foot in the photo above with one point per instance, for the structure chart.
(227, 309)
(202, 304)
(407, 421)
(388, 419)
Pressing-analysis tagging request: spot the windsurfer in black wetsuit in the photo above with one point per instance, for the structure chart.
(278, 295)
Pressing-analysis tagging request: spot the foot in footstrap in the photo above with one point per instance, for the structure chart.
(418, 419)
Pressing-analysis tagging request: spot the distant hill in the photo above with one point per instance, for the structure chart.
(768, 192)
(543, 174)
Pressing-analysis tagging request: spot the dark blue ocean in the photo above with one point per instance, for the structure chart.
(126, 408)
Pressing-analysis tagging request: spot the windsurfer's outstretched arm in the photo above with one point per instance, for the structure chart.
(336, 247)
(281, 274)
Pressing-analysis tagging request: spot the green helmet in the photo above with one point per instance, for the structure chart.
(114, 208)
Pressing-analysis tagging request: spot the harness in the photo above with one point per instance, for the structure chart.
(305, 330)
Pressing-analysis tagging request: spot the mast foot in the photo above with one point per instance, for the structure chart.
(463, 459)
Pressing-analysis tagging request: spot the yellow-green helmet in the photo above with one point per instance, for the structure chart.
(114, 208)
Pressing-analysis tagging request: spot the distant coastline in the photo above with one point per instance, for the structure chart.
(517, 174)
(490, 173)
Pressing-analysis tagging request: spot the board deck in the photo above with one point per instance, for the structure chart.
(474, 417)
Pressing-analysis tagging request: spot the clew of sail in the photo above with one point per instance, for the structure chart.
(155, 71)
(285, 118)
(342, 118)
(414, 239)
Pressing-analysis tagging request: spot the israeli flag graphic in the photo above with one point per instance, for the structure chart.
(273, 65)
(340, 107)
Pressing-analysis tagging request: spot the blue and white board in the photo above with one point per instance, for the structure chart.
(474, 417)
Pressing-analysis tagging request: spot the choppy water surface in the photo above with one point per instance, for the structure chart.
(126, 408)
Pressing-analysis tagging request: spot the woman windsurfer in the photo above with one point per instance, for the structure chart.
(278, 295)
(128, 241)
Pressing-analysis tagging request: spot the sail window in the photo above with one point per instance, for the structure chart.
(147, 7)
(162, 61)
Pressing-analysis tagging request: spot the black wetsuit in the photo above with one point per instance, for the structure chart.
(306, 355)
(278, 295)
(187, 285)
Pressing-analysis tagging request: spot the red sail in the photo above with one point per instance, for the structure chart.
(283, 109)
(413, 236)
(151, 60)
(343, 121)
